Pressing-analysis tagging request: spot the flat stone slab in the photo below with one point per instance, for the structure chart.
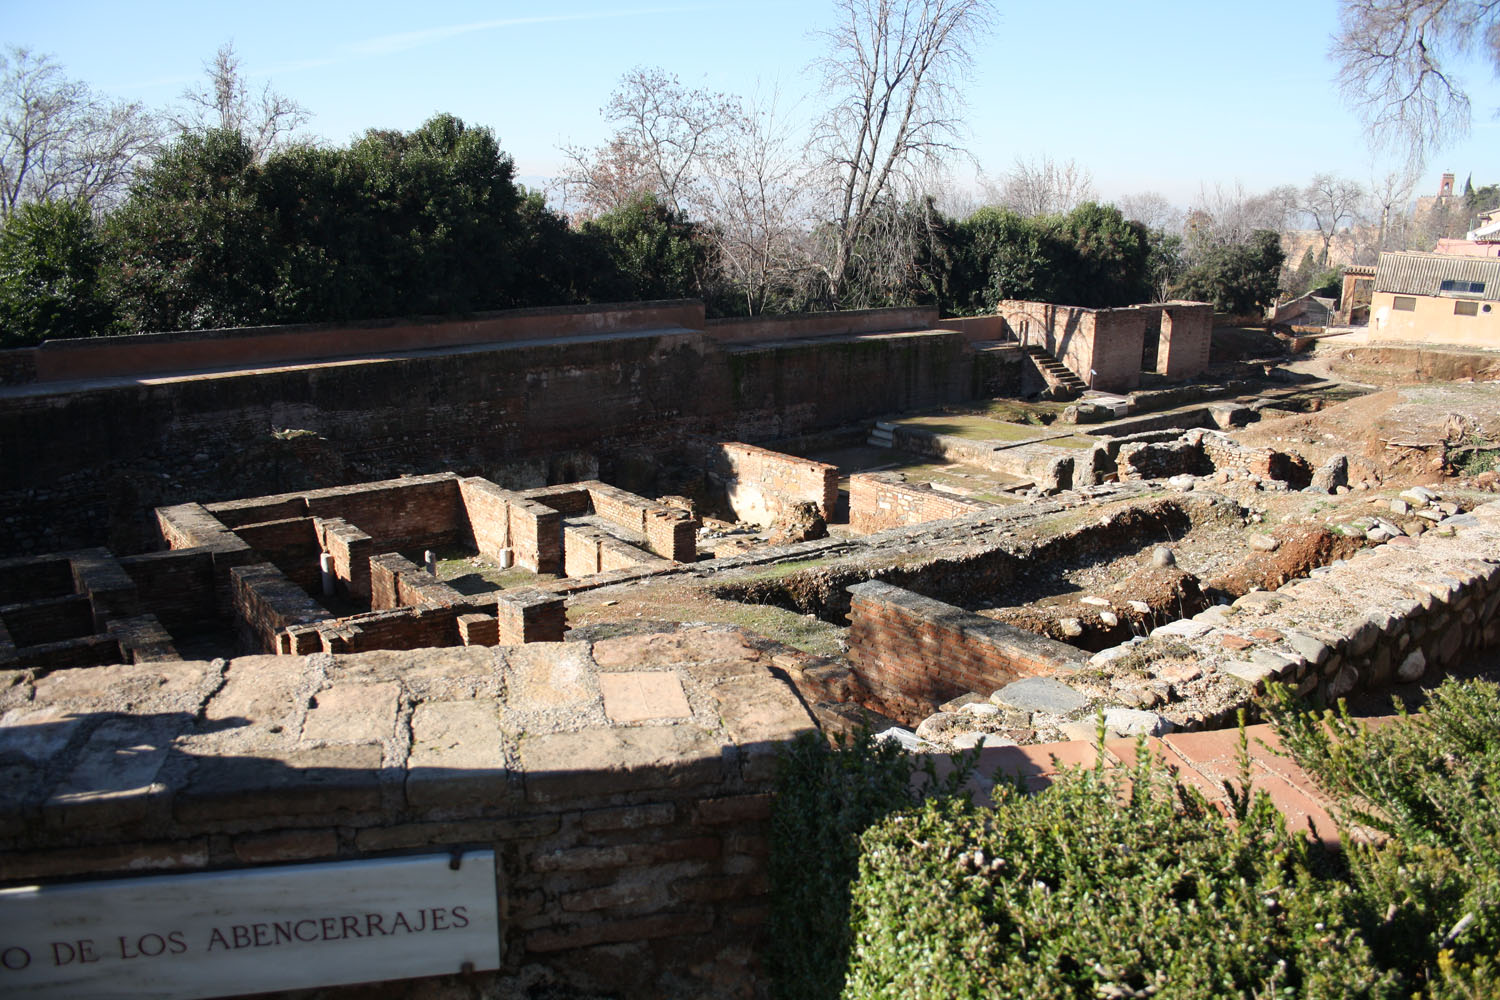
(643, 695)
(1040, 694)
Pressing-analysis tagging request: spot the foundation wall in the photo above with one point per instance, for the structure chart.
(878, 501)
(177, 585)
(759, 484)
(912, 653)
(72, 474)
(266, 603)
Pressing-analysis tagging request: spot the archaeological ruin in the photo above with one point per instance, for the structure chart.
(504, 618)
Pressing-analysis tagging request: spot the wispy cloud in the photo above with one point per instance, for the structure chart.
(400, 42)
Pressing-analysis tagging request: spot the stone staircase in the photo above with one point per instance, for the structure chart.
(881, 435)
(1060, 379)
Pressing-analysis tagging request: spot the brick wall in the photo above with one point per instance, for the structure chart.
(1101, 346)
(266, 603)
(177, 585)
(1186, 334)
(581, 549)
(633, 858)
(881, 500)
(27, 578)
(350, 551)
(290, 545)
(912, 653)
(526, 614)
(413, 512)
(759, 483)
(254, 347)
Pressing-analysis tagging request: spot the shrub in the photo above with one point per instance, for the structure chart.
(1428, 785)
(1107, 884)
(825, 798)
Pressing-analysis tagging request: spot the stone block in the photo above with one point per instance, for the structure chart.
(560, 767)
(1040, 694)
(642, 696)
(353, 713)
(457, 760)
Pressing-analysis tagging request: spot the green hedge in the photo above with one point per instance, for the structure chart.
(1118, 883)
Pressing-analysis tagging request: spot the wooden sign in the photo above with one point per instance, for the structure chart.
(217, 934)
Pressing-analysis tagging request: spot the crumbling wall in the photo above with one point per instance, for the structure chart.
(881, 500)
(912, 653)
(758, 484)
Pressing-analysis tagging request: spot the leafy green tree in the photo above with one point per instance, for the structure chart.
(1109, 257)
(657, 253)
(193, 247)
(50, 253)
(1237, 278)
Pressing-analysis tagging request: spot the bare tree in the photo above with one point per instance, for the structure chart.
(1393, 60)
(59, 140)
(1045, 187)
(267, 121)
(1151, 209)
(1331, 202)
(758, 215)
(1228, 215)
(665, 135)
(1389, 195)
(892, 69)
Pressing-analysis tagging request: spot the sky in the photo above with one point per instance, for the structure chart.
(1150, 95)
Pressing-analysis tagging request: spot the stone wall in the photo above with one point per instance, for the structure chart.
(623, 785)
(881, 500)
(912, 653)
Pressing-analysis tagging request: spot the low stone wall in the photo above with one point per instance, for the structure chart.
(912, 653)
(881, 500)
(1049, 466)
(623, 785)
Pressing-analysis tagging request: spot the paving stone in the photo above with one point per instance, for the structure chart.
(596, 762)
(1040, 694)
(353, 713)
(115, 779)
(1248, 672)
(642, 695)
(1310, 648)
(36, 735)
(547, 675)
(1132, 721)
(1183, 628)
(457, 756)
